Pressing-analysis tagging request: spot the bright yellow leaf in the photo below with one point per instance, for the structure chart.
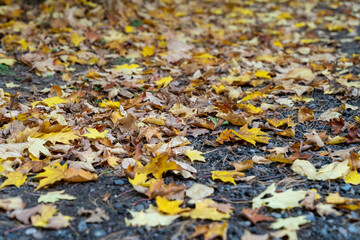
(51, 102)
(164, 81)
(76, 39)
(353, 177)
(226, 176)
(94, 134)
(263, 74)
(252, 135)
(195, 155)
(52, 174)
(129, 29)
(60, 137)
(140, 179)
(109, 104)
(128, 69)
(148, 51)
(169, 207)
(14, 178)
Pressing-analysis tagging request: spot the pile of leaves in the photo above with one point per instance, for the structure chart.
(142, 80)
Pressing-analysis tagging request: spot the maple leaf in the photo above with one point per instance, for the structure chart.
(254, 216)
(52, 174)
(129, 69)
(94, 134)
(169, 207)
(164, 81)
(282, 200)
(263, 74)
(205, 210)
(194, 155)
(199, 191)
(140, 179)
(14, 178)
(226, 176)
(60, 137)
(158, 188)
(37, 147)
(290, 226)
(52, 197)
(330, 171)
(46, 218)
(158, 165)
(150, 217)
(252, 135)
(352, 177)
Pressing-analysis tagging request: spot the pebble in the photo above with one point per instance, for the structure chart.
(346, 187)
(82, 226)
(139, 207)
(343, 231)
(310, 217)
(99, 233)
(119, 182)
(30, 231)
(324, 232)
(353, 229)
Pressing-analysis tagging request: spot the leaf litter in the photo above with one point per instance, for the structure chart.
(166, 99)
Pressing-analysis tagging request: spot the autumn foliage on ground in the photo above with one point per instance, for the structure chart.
(141, 81)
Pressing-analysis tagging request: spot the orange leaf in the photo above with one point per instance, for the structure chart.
(79, 175)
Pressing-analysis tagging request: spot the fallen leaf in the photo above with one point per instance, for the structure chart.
(164, 81)
(226, 176)
(249, 236)
(52, 174)
(150, 217)
(199, 191)
(195, 155)
(94, 134)
(14, 178)
(254, 216)
(79, 175)
(52, 197)
(169, 207)
(12, 203)
(290, 226)
(283, 200)
(211, 231)
(96, 216)
(331, 171)
(203, 210)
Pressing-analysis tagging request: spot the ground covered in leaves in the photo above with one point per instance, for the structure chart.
(174, 120)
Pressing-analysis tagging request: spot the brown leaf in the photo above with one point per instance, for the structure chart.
(305, 114)
(254, 216)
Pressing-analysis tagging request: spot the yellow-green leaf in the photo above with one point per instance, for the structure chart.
(14, 178)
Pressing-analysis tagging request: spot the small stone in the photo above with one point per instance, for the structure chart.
(119, 182)
(343, 231)
(139, 207)
(99, 233)
(82, 226)
(310, 217)
(346, 187)
(353, 229)
(323, 232)
(30, 231)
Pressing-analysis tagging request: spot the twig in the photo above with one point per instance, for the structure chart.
(141, 200)
(269, 178)
(125, 192)
(205, 176)
(16, 228)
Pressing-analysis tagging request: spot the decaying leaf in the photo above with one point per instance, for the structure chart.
(289, 225)
(211, 231)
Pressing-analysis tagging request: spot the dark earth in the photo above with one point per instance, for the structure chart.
(123, 197)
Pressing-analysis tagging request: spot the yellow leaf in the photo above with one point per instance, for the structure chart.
(51, 102)
(151, 218)
(11, 85)
(158, 165)
(169, 207)
(226, 176)
(252, 135)
(206, 209)
(164, 81)
(23, 44)
(148, 51)
(353, 177)
(60, 137)
(76, 39)
(219, 89)
(250, 108)
(94, 134)
(140, 179)
(46, 212)
(129, 69)
(109, 104)
(52, 174)
(52, 197)
(7, 61)
(194, 155)
(129, 29)
(14, 178)
(263, 74)
(289, 225)
(253, 96)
